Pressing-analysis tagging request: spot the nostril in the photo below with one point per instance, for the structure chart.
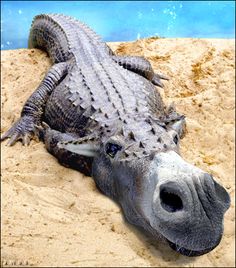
(170, 202)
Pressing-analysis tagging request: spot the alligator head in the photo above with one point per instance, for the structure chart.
(159, 191)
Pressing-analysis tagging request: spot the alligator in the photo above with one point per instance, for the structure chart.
(103, 115)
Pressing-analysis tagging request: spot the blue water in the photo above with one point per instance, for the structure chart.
(124, 20)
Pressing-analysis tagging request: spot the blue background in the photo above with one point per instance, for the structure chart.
(124, 20)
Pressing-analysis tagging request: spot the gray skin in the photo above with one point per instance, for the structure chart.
(102, 115)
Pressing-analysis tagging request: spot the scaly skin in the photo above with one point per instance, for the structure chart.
(89, 89)
(101, 114)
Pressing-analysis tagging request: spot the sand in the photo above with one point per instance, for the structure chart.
(54, 216)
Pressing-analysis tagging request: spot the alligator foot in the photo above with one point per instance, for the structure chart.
(176, 121)
(24, 129)
(142, 67)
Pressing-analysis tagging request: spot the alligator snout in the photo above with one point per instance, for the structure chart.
(203, 189)
(188, 205)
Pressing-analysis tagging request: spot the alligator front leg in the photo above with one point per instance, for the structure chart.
(25, 128)
(61, 145)
(140, 66)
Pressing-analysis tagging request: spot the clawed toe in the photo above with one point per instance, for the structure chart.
(45, 125)
(23, 130)
(9, 132)
(13, 139)
(40, 130)
(162, 76)
(156, 80)
(26, 140)
(5, 136)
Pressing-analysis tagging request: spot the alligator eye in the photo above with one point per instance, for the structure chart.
(112, 149)
(176, 139)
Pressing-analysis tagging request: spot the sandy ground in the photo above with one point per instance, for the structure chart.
(54, 216)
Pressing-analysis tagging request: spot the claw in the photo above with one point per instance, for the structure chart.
(24, 129)
(5, 135)
(45, 125)
(162, 76)
(40, 130)
(26, 140)
(37, 130)
(8, 133)
(14, 138)
(156, 81)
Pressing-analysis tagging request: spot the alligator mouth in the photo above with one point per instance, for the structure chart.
(189, 252)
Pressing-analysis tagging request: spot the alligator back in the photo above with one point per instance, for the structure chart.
(62, 37)
(97, 95)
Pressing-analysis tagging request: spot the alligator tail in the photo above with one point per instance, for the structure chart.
(51, 33)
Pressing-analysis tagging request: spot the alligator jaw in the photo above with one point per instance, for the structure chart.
(189, 252)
